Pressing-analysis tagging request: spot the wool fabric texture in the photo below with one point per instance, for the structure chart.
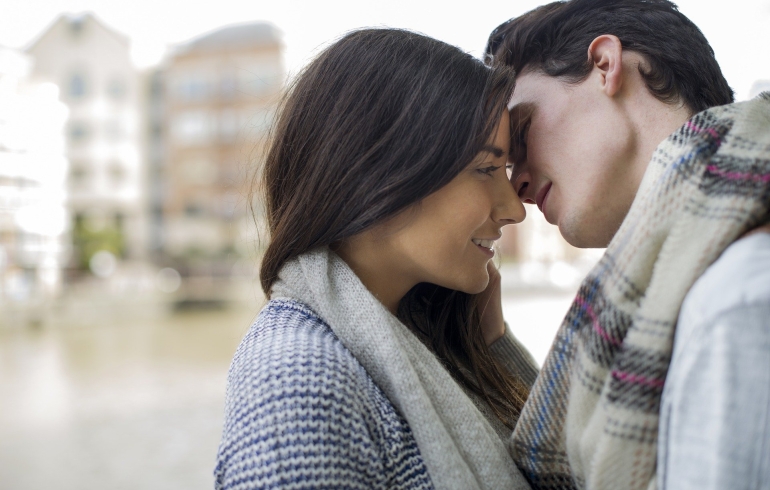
(301, 412)
(459, 446)
(591, 420)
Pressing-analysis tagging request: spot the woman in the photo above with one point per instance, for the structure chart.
(385, 188)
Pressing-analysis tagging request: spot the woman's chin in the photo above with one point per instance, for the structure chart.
(474, 285)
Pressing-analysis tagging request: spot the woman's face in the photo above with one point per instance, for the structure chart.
(447, 239)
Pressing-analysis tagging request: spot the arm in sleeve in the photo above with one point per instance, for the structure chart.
(296, 423)
(515, 357)
(715, 411)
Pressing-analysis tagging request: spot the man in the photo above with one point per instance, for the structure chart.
(626, 137)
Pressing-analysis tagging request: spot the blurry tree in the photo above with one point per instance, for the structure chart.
(88, 240)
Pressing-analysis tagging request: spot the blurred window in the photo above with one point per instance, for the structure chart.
(191, 87)
(77, 132)
(76, 86)
(79, 175)
(192, 127)
(156, 130)
(117, 89)
(117, 174)
(76, 25)
(156, 85)
(120, 221)
(193, 210)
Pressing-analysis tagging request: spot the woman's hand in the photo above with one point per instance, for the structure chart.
(491, 307)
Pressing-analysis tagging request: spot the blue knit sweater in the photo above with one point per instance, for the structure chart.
(301, 413)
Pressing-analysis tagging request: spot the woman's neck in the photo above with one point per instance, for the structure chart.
(376, 270)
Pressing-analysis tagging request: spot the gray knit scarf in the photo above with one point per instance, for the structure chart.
(460, 448)
(591, 420)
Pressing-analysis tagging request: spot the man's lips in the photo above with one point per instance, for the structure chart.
(541, 197)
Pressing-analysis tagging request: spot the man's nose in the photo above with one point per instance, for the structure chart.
(522, 185)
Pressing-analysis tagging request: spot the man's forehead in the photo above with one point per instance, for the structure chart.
(527, 89)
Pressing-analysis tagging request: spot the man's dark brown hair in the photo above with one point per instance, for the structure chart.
(554, 39)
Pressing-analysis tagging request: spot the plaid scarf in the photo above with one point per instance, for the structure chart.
(592, 417)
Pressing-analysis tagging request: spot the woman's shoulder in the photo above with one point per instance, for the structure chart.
(300, 407)
(287, 334)
(289, 344)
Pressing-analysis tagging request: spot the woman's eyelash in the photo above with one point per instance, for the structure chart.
(488, 170)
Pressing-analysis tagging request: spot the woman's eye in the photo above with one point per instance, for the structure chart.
(488, 170)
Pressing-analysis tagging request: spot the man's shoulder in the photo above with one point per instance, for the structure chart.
(739, 277)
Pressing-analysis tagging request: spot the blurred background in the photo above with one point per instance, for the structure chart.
(129, 135)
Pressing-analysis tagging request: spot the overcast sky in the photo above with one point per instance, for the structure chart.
(739, 30)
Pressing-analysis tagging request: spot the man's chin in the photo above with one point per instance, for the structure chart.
(582, 235)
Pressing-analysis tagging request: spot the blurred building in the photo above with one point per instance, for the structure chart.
(536, 240)
(33, 169)
(154, 147)
(536, 258)
(98, 82)
(220, 94)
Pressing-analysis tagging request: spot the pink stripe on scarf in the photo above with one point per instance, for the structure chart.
(710, 131)
(597, 328)
(635, 378)
(737, 175)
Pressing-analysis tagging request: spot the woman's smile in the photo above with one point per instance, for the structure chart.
(485, 245)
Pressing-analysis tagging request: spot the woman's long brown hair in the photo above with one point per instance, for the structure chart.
(377, 122)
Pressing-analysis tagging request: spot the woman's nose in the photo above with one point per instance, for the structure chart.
(508, 208)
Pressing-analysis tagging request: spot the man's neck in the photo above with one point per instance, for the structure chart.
(657, 121)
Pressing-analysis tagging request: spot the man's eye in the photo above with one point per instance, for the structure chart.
(519, 143)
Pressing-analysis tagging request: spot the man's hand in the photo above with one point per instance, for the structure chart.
(491, 307)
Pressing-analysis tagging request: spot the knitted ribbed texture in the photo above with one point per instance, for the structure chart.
(301, 412)
(591, 420)
(459, 446)
(515, 357)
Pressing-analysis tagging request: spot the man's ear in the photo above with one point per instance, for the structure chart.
(606, 56)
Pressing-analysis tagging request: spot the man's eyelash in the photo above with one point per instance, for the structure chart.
(522, 136)
(519, 145)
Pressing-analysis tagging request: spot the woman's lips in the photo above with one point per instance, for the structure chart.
(489, 252)
(486, 246)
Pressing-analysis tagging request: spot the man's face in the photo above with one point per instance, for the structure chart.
(572, 150)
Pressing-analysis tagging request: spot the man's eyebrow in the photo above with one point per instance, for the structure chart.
(496, 151)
